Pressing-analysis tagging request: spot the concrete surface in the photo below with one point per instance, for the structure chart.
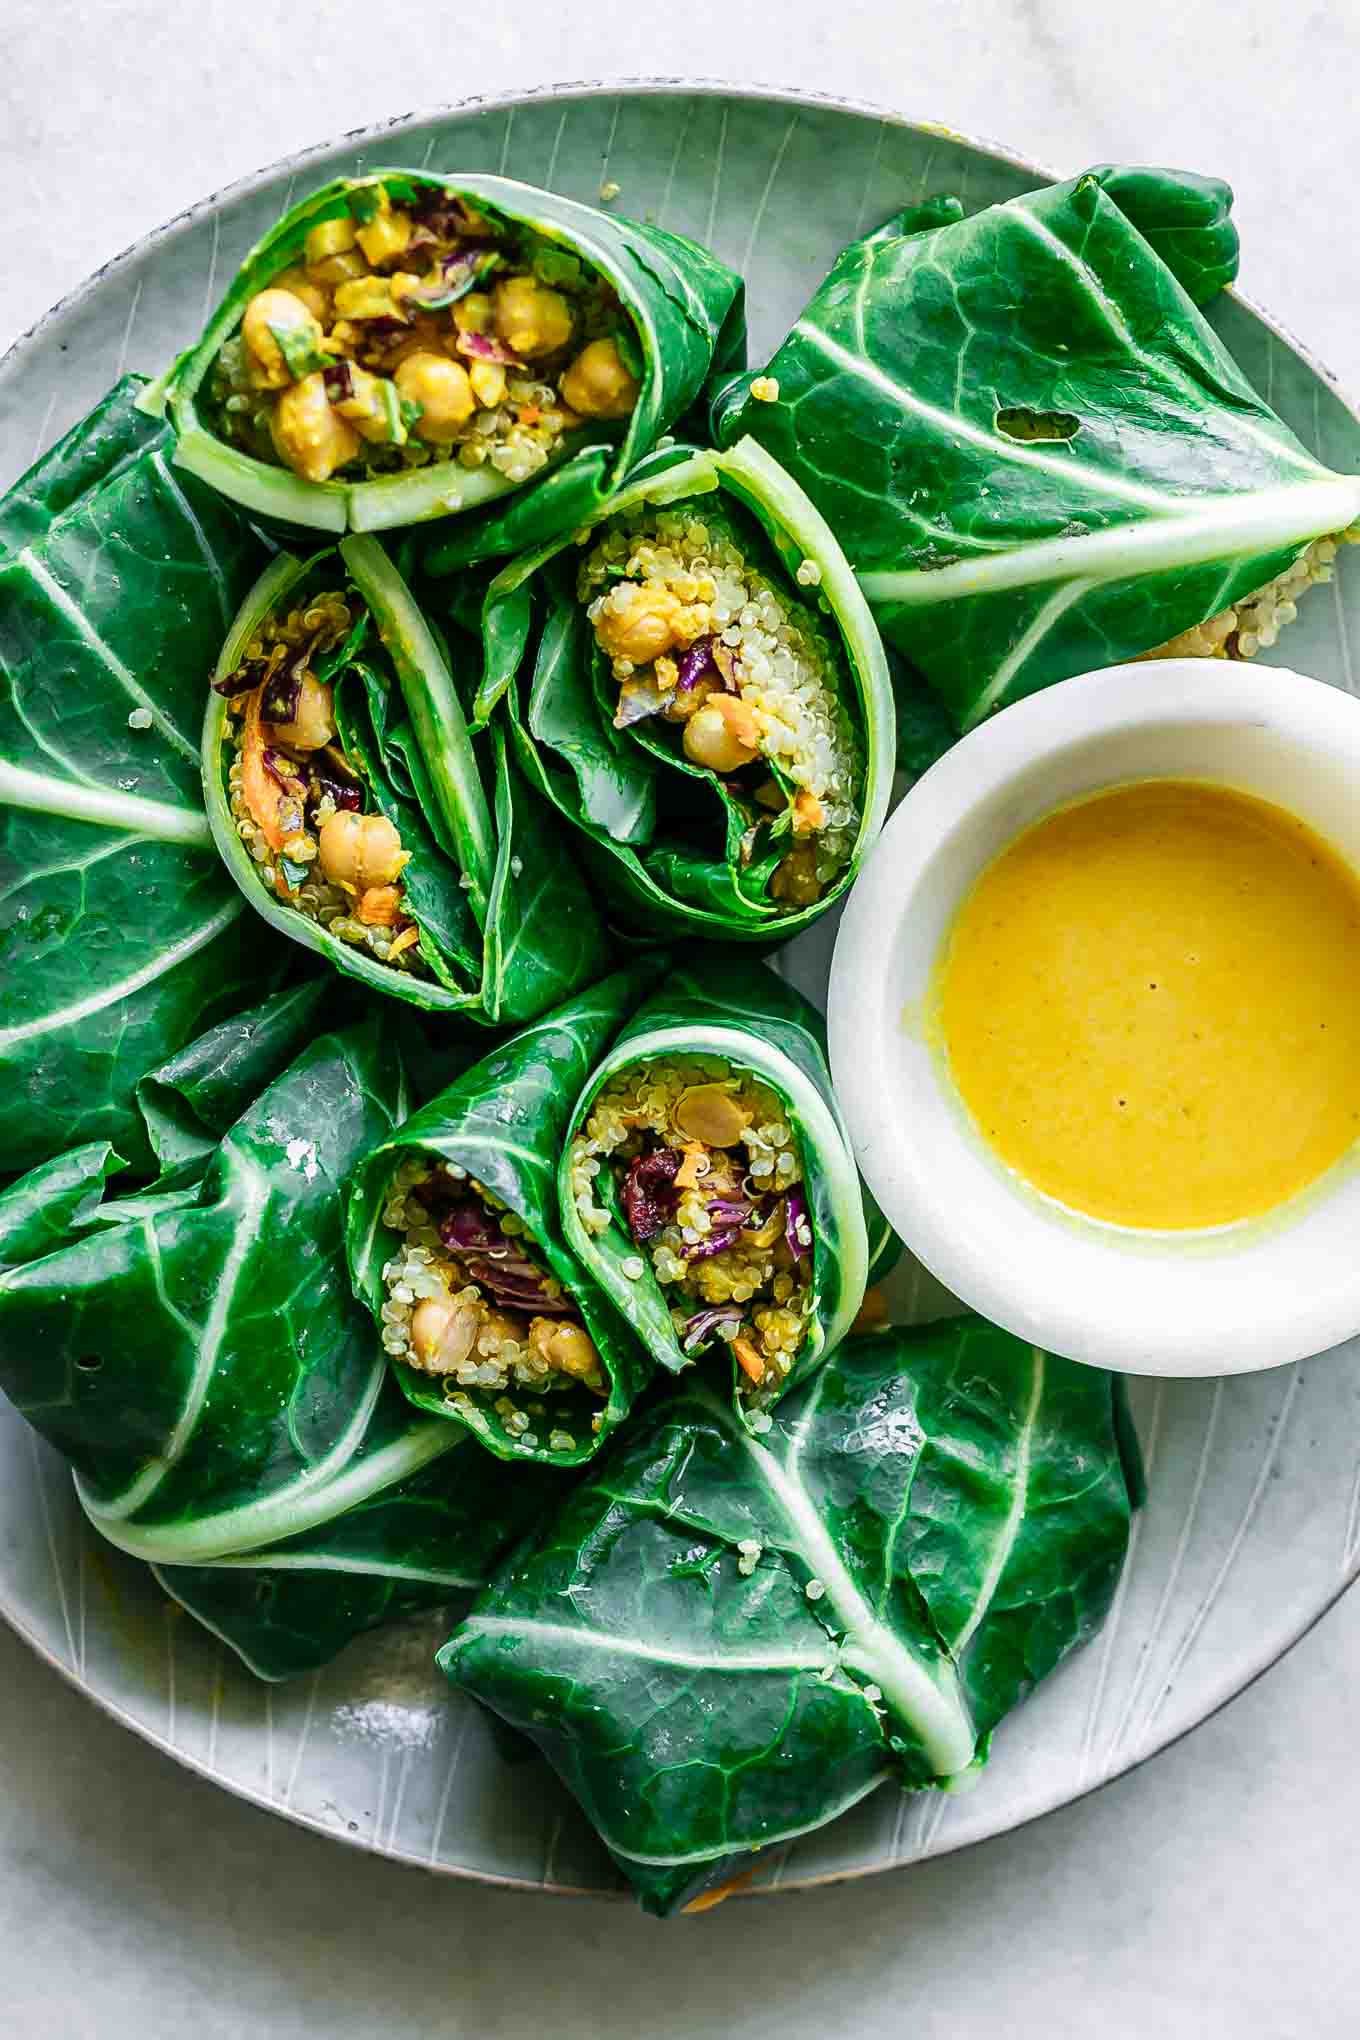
(1210, 1894)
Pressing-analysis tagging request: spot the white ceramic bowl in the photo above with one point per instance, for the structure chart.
(1222, 1302)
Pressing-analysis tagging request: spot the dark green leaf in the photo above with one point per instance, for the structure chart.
(998, 562)
(97, 447)
(722, 1642)
(120, 936)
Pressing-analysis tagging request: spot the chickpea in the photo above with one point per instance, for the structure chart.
(313, 721)
(567, 1350)
(530, 318)
(795, 880)
(442, 390)
(269, 313)
(598, 385)
(709, 1112)
(327, 238)
(360, 850)
(723, 735)
(313, 295)
(443, 1334)
(309, 434)
(637, 622)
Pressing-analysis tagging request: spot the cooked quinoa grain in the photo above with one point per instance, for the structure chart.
(1253, 624)
(700, 637)
(416, 330)
(701, 1163)
(470, 1303)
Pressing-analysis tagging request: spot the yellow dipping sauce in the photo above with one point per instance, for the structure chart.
(1150, 1003)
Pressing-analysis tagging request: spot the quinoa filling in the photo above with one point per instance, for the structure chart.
(1254, 624)
(698, 636)
(421, 331)
(469, 1303)
(300, 805)
(705, 1169)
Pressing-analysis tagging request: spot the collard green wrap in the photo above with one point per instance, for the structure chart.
(506, 926)
(722, 1642)
(684, 311)
(194, 1350)
(120, 935)
(504, 1122)
(1036, 452)
(673, 846)
(726, 1007)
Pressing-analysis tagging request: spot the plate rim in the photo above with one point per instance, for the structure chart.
(179, 224)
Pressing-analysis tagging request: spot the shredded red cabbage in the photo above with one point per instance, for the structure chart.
(243, 681)
(797, 1225)
(482, 347)
(649, 1193)
(338, 377)
(712, 1243)
(284, 771)
(696, 663)
(497, 1262)
(704, 1322)
(279, 702)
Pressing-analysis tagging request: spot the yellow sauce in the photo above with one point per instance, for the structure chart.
(1150, 1004)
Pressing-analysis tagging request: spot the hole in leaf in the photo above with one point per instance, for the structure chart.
(90, 1363)
(1026, 425)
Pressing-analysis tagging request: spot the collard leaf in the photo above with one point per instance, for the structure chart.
(722, 1641)
(97, 447)
(672, 846)
(120, 936)
(504, 1123)
(430, 1542)
(683, 305)
(1056, 464)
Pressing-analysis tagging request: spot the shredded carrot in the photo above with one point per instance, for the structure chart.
(687, 1175)
(706, 1900)
(529, 414)
(380, 906)
(259, 789)
(749, 1360)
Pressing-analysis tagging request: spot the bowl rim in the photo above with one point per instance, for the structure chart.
(1021, 1291)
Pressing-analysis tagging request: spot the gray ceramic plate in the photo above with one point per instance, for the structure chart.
(1253, 1526)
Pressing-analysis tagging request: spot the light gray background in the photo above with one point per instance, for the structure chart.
(1211, 1894)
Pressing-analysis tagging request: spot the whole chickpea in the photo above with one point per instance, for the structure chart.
(443, 1333)
(309, 434)
(360, 850)
(723, 734)
(530, 318)
(269, 313)
(442, 390)
(598, 385)
(567, 1349)
(313, 721)
(637, 622)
